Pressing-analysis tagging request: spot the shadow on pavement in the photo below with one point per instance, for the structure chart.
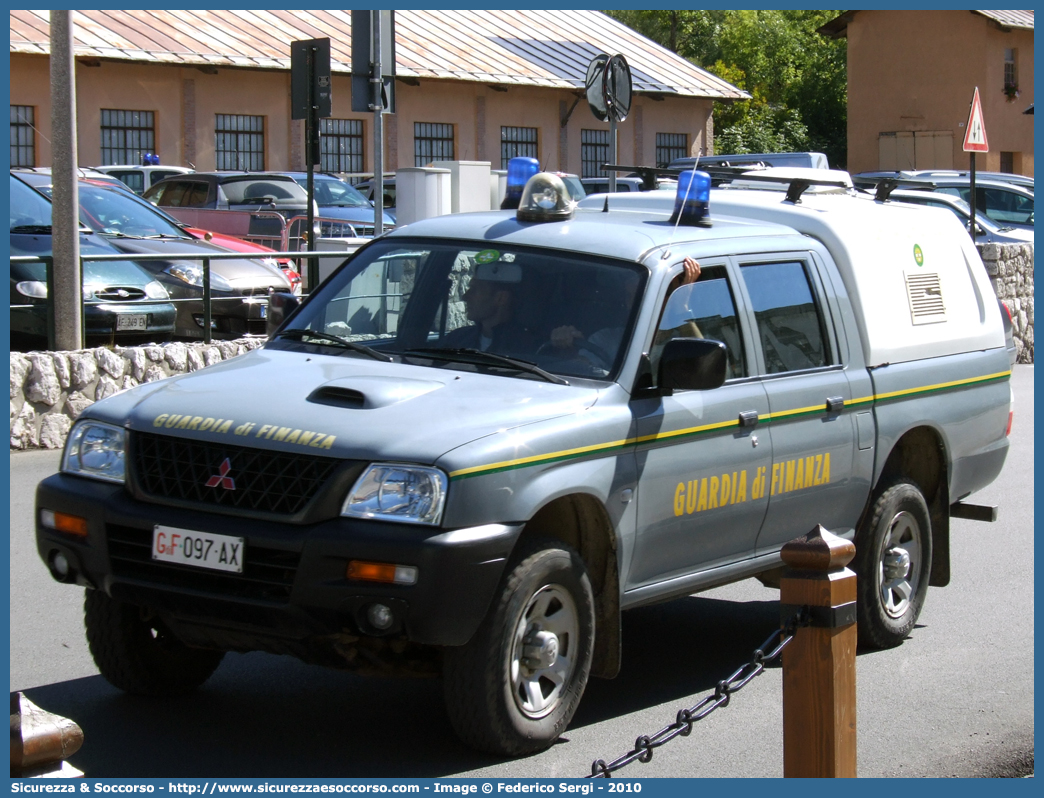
(264, 716)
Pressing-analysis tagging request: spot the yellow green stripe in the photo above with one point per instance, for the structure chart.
(688, 432)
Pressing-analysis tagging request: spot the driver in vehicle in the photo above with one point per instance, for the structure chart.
(490, 303)
(608, 339)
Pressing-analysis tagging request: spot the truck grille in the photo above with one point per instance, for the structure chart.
(268, 574)
(223, 475)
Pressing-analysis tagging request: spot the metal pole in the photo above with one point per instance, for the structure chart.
(310, 132)
(971, 198)
(65, 201)
(377, 82)
(612, 151)
(207, 314)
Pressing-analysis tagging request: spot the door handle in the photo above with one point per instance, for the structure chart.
(748, 418)
(835, 404)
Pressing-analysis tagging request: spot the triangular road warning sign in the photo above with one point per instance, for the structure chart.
(975, 137)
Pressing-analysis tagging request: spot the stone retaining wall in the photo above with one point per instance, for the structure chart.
(49, 390)
(1010, 267)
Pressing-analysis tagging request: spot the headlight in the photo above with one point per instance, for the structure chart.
(34, 289)
(391, 492)
(155, 290)
(193, 275)
(96, 450)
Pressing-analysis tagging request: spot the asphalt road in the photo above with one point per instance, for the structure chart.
(956, 699)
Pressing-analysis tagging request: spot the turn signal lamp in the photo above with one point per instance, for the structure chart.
(545, 199)
(692, 202)
(518, 173)
(63, 522)
(381, 572)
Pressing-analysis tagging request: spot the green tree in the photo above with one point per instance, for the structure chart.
(796, 77)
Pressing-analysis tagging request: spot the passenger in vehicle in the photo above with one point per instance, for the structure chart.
(605, 343)
(490, 303)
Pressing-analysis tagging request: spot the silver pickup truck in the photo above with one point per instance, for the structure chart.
(487, 435)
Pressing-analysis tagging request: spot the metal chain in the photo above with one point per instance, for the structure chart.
(682, 726)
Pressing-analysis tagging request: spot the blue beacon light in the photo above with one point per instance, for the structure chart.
(692, 202)
(518, 173)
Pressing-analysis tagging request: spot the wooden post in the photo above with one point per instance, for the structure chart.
(41, 742)
(819, 685)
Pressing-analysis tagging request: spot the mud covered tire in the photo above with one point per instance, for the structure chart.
(513, 689)
(893, 562)
(140, 655)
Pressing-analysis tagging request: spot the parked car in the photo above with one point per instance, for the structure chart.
(85, 173)
(232, 243)
(600, 185)
(815, 160)
(239, 288)
(122, 302)
(141, 178)
(1007, 204)
(988, 233)
(366, 188)
(1005, 177)
(238, 191)
(338, 199)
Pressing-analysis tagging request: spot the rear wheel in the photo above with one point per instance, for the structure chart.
(137, 653)
(514, 687)
(893, 560)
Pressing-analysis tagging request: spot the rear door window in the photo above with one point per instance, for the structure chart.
(789, 320)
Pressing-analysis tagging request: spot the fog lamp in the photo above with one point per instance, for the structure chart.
(380, 616)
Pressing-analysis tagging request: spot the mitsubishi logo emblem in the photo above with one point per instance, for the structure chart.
(222, 478)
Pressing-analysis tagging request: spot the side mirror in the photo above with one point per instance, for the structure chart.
(692, 364)
(280, 308)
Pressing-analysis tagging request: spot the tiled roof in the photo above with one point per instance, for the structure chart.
(532, 48)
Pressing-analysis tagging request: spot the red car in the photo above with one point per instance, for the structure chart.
(287, 266)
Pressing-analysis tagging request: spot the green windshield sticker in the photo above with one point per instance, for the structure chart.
(487, 256)
(918, 255)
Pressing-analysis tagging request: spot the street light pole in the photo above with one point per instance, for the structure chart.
(66, 302)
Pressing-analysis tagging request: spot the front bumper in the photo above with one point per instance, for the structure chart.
(294, 584)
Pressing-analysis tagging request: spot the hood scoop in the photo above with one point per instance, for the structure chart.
(370, 393)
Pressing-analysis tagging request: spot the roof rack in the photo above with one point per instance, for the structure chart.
(648, 174)
(884, 186)
(796, 186)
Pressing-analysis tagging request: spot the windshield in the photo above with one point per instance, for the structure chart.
(28, 208)
(116, 212)
(262, 191)
(330, 191)
(567, 314)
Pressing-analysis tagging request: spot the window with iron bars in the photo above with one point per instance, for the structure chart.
(341, 145)
(670, 146)
(517, 142)
(23, 138)
(126, 135)
(239, 142)
(432, 141)
(594, 151)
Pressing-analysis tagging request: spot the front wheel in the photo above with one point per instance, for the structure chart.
(893, 561)
(137, 653)
(514, 687)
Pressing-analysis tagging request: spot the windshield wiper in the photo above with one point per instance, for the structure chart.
(30, 229)
(168, 235)
(335, 340)
(478, 357)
